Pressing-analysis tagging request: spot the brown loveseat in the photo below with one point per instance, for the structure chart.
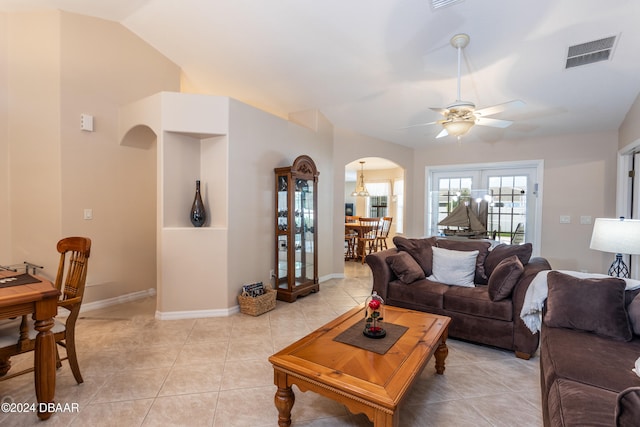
(485, 309)
(590, 340)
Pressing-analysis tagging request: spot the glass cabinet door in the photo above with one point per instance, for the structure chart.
(282, 230)
(304, 218)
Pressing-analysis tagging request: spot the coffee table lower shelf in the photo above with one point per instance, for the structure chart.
(365, 382)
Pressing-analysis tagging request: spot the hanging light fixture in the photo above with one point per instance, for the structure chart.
(361, 190)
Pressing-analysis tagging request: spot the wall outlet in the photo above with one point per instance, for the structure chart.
(565, 219)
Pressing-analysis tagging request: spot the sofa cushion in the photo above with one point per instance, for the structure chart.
(588, 358)
(422, 294)
(633, 310)
(453, 267)
(628, 407)
(419, 249)
(480, 276)
(476, 302)
(504, 278)
(405, 267)
(500, 252)
(592, 305)
(571, 403)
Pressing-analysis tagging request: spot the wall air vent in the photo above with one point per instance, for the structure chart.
(590, 52)
(437, 4)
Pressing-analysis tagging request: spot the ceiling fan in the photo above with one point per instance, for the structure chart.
(460, 116)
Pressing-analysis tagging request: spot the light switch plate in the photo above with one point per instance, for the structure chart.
(88, 214)
(86, 122)
(565, 219)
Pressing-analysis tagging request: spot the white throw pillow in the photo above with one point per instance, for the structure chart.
(454, 267)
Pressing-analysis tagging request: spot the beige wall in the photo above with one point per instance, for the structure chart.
(5, 225)
(630, 127)
(260, 142)
(579, 179)
(33, 111)
(59, 66)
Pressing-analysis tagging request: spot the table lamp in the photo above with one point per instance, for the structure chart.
(618, 236)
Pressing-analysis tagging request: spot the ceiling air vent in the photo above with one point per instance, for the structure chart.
(437, 4)
(590, 52)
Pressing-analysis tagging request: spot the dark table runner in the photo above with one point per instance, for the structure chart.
(354, 336)
(20, 279)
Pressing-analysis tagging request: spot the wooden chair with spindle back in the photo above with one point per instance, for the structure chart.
(367, 236)
(383, 233)
(19, 336)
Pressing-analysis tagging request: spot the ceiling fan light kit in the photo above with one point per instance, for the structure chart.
(458, 128)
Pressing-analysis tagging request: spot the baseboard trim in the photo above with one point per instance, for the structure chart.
(117, 300)
(196, 314)
(176, 315)
(331, 276)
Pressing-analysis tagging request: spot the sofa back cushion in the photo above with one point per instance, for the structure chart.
(480, 276)
(419, 249)
(500, 252)
(504, 278)
(593, 305)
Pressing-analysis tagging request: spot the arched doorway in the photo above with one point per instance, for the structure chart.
(385, 183)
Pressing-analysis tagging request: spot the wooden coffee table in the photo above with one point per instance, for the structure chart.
(364, 381)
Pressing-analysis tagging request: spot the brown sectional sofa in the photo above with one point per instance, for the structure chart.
(410, 276)
(590, 340)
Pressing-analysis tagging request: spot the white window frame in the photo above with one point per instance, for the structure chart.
(536, 192)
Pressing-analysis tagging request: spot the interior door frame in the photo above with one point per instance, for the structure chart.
(624, 190)
(535, 194)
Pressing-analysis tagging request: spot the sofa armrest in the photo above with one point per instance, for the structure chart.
(523, 340)
(628, 407)
(382, 273)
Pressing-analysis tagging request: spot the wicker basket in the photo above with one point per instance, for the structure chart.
(255, 306)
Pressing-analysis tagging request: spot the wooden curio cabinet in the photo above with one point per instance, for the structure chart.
(296, 224)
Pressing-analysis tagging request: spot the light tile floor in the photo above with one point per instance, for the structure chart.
(139, 371)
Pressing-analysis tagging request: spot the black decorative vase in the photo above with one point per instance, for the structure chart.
(198, 213)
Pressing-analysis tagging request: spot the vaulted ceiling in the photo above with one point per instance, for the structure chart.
(376, 67)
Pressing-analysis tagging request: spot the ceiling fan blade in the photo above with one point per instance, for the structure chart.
(422, 124)
(495, 109)
(442, 133)
(496, 123)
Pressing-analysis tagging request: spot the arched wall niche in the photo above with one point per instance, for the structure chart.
(139, 136)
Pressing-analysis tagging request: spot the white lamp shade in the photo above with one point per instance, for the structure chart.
(617, 236)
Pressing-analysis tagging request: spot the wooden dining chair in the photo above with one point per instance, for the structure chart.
(367, 236)
(383, 233)
(19, 336)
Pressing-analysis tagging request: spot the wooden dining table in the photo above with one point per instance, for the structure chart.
(361, 230)
(39, 299)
